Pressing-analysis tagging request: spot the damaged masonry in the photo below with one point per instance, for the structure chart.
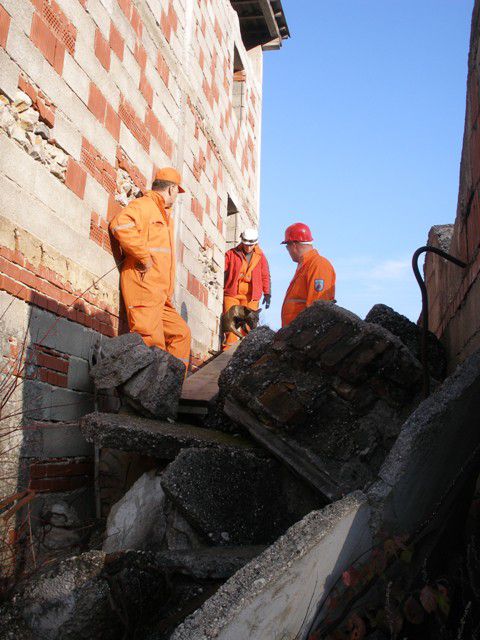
(322, 442)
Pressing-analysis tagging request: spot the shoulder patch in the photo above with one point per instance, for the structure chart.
(319, 285)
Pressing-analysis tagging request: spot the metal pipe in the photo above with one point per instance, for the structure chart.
(423, 289)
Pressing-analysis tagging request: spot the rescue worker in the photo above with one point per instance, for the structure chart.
(247, 276)
(314, 278)
(145, 231)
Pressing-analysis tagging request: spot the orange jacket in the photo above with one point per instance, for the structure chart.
(144, 230)
(256, 272)
(314, 279)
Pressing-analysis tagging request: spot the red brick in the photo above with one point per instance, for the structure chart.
(136, 22)
(102, 50)
(113, 208)
(97, 102)
(197, 210)
(4, 27)
(75, 178)
(112, 123)
(140, 56)
(126, 7)
(133, 122)
(46, 115)
(59, 58)
(146, 89)
(162, 68)
(116, 41)
(43, 38)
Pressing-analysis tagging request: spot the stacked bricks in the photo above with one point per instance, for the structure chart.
(454, 293)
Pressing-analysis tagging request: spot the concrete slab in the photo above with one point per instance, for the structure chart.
(434, 453)
(276, 595)
(216, 563)
(236, 497)
(163, 440)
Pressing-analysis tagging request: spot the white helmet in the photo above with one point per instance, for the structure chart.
(249, 236)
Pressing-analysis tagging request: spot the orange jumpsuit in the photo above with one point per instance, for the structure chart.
(144, 230)
(244, 295)
(314, 279)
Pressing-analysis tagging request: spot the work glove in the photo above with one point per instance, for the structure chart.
(266, 300)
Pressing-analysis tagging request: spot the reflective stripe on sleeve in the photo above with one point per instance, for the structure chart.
(127, 225)
(159, 249)
(296, 300)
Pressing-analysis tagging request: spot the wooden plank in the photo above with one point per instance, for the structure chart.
(299, 459)
(203, 384)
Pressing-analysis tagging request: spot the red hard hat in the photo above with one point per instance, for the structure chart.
(298, 232)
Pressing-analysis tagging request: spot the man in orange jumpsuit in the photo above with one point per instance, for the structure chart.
(247, 276)
(314, 278)
(145, 232)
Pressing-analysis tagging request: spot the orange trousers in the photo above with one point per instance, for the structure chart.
(162, 326)
(228, 302)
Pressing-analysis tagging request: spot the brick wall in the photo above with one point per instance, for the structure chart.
(454, 293)
(94, 96)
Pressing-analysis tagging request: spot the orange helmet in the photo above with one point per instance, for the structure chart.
(298, 232)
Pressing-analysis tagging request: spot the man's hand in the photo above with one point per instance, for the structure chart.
(144, 266)
(266, 300)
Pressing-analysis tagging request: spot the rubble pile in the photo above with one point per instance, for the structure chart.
(20, 120)
(331, 392)
(410, 334)
(147, 378)
(302, 418)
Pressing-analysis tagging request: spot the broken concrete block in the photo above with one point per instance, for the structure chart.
(118, 359)
(250, 349)
(236, 497)
(155, 390)
(276, 594)
(213, 563)
(42, 130)
(137, 521)
(81, 596)
(411, 335)
(336, 387)
(162, 440)
(434, 453)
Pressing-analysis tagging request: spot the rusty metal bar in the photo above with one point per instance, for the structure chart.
(423, 289)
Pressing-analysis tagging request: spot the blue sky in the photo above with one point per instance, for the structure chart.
(363, 115)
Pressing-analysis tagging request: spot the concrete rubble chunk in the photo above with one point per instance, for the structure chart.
(214, 563)
(276, 594)
(137, 521)
(118, 359)
(250, 349)
(155, 390)
(333, 386)
(434, 453)
(80, 597)
(163, 440)
(411, 334)
(236, 497)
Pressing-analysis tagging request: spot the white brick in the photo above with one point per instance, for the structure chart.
(100, 16)
(125, 84)
(76, 78)
(132, 67)
(28, 57)
(135, 151)
(9, 73)
(67, 136)
(21, 12)
(96, 197)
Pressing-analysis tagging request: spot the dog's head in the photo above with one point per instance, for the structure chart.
(252, 318)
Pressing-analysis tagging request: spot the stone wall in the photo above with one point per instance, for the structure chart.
(95, 95)
(454, 293)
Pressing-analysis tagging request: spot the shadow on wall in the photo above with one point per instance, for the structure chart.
(47, 481)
